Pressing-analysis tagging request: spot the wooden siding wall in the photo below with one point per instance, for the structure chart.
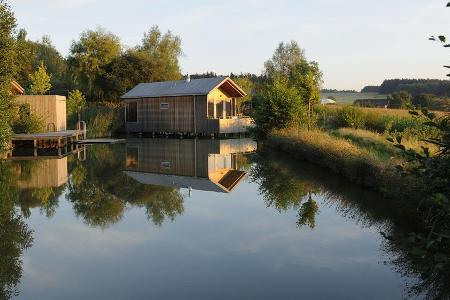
(171, 157)
(179, 117)
(186, 157)
(49, 107)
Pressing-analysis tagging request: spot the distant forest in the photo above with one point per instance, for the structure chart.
(413, 86)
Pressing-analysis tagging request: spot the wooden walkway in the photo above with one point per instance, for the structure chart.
(101, 141)
(48, 139)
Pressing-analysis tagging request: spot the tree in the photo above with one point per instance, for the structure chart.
(7, 71)
(247, 85)
(289, 62)
(164, 50)
(88, 58)
(40, 81)
(400, 99)
(76, 103)
(277, 106)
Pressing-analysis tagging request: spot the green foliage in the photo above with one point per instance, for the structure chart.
(416, 86)
(26, 121)
(431, 101)
(247, 85)
(7, 71)
(40, 81)
(88, 58)
(75, 102)
(277, 106)
(102, 119)
(400, 99)
(15, 235)
(294, 77)
(30, 54)
(350, 116)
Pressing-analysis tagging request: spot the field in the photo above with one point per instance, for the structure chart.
(348, 98)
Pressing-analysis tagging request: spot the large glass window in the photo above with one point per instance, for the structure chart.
(132, 112)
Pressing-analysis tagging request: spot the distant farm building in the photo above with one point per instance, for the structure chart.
(383, 103)
(198, 106)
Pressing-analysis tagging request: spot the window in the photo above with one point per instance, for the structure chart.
(165, 165)
(132, 112)
(164, 106)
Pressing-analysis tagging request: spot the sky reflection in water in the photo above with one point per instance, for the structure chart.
(163, 243)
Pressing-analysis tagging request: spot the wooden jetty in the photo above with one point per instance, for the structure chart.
(55, 139)
(100, 141)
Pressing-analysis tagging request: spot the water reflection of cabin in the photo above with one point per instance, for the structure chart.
(47, 173)
(209, 165)
(197, 106)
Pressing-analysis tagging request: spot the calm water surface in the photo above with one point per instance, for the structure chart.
(187, 219)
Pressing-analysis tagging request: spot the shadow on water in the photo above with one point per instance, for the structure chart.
(157, 174)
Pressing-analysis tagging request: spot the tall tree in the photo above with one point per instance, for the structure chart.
(277, 106)
(165, 51)
(76, 103)
(88, 58)
(247, 85)
(290, 67)
(156, 59)
(40, 81)
(7, 68)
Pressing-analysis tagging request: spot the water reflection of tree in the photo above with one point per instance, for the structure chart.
(283, 191)
(100, 191)
(394, 219)
(15, 236)
(46, 198)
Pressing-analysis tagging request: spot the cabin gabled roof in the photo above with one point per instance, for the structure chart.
(200, 86)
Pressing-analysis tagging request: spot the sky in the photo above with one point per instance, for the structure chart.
(355, 42)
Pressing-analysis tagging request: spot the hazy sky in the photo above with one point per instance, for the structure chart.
(356, 42)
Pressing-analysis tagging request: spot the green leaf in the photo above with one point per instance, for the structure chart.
(399, 139)
(442, 38)
(390, 139)
(401, 147)
(447, 45)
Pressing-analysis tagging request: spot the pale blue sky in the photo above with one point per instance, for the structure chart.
(356, 42)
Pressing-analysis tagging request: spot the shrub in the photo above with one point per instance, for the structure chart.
(350, 116)
(102, 119)
(26, 121)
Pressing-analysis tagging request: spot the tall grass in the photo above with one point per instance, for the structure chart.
(362, 165)
(392, 121)
(102, 119)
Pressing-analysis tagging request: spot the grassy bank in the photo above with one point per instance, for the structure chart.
(365, 161)
(103, 119)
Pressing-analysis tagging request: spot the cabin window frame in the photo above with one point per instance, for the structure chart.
(132, 118)
(164, 106)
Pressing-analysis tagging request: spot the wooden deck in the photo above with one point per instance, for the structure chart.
(100, 141)
(55, 139)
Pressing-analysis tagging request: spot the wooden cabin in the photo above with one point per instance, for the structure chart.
(200, 164)
(51, 108)
(197, 106)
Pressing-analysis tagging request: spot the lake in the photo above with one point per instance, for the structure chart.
(190, 219)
